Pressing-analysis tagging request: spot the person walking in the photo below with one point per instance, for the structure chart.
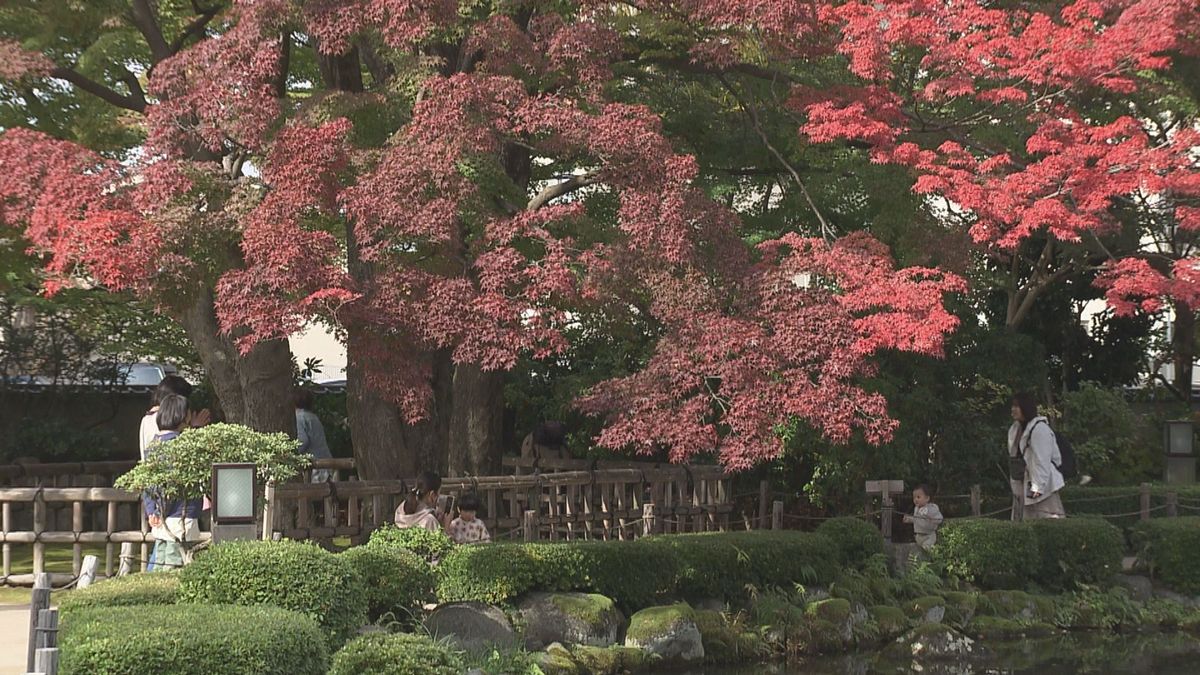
(1034, 459)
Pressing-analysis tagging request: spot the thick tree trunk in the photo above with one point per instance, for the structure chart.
(477, 422)
(254, 389)
(1183, 347)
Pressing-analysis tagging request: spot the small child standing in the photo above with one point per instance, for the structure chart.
(466, 528)
(925, 519)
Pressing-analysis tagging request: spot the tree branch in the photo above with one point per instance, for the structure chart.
(146, 22)
(134, 103)
(559, 189)
(196, 27)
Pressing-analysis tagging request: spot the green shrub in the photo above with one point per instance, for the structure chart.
(1168, 546)
(427, 544)
(155, 588)
(395, 581)
(191, 640)
(1077, 551)
(396, 654)
(292, 575)
(990, 553)
(856, 539)
(639, 573)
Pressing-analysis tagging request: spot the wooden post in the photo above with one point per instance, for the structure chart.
(764, 495)
(1172, 504)
(885, 516)
(39, 526)
(126, 565)
(6, 527)
(976, 501)
(530, 525)
(87, 571)
(40, 600)
(109, 548)
(777, 515)
(1145, 495)
(46, 661)
(269, 508)
(47, 631)
(649, 520)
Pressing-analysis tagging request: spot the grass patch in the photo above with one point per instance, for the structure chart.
(58, 557)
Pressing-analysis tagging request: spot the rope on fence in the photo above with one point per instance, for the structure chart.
(1081, 500)
(1188, 508)
(1131, 513)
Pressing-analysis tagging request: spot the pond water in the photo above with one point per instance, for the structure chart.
(1156, 654)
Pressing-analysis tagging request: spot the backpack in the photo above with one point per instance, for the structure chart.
(1067, 468)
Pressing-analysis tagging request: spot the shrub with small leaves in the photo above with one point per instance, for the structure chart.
(396, 654)
(147, 588)
(191, 640)
(856, 539)
(396, 581)
(428, 544)
(990, 553)
(297, 576)
(1168, 546)
(1077, 551)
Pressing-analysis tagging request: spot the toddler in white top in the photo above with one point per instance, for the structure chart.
(926, 518)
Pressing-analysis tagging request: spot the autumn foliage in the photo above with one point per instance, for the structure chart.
(431, 222)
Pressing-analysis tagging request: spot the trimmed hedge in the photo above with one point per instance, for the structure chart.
(288, 574)
(639, 573)
(396, 654)
(1099, 500)
(990, 553)
(191, 640)
(147, 588)
(856, 539)
(426, 544)
(394, 580)
(1077, 551)
(1168, 546)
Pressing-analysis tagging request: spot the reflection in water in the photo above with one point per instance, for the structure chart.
(1150, 654)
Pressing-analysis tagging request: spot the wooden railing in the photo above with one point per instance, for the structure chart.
(102, 474)
(605, 503)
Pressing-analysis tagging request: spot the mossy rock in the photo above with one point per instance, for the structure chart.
(720, 640)
(891, 621)
(668, 632)
(557, 660)
(960, 607)
(824, 637)
(927, 609)
(632, 659)
(1191, 624)
(1017, 605)
(656, 621)
(597, 660)
(834, 610)
(569, 618)
(933, 641)
(1001, 628)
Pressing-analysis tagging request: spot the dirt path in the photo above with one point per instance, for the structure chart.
(14, 634)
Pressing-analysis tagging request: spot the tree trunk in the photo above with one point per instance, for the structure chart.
(1183, 347)
(254, 389)
(477, 421)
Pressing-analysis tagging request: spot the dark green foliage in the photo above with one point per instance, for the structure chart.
(156, 588)
(1077, 551)
(396, 654)
(990, 553)
(191, 640)
(427, 544)
(1169, 547)
(293, 575)
(396, 581)
(1093, 608)
(636, 574)
(856, 539)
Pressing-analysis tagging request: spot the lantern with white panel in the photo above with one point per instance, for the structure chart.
(1179, 440)
(233, 488)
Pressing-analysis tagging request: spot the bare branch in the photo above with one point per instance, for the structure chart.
(559, 189)
(134, 103)
(146, 21)
(196, 27)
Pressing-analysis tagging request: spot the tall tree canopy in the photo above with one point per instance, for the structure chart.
(453, 185)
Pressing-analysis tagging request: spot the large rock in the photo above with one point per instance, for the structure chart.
(1140, 588)
(668, 632)
(472, 626)
(570, 618)
(934, 642)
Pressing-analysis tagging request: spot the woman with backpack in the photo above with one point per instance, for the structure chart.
(1034, 461)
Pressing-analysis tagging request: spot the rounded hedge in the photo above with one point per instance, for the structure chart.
(427, 544)
(395, 581)
(191, 640)
(288, 574)
(396, 654)
(990, 553)
(1076, 551)
(146, 588)
(856, 539)
(1168, 546)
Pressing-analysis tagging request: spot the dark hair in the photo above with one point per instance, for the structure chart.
(302, 398)
(550, 433)
(469, 502)
(923, 487)
(171, 384)
(1028, 405)
(427, 482)
(172, 412)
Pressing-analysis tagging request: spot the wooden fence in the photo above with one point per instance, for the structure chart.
(601, 503)
(102, 474)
